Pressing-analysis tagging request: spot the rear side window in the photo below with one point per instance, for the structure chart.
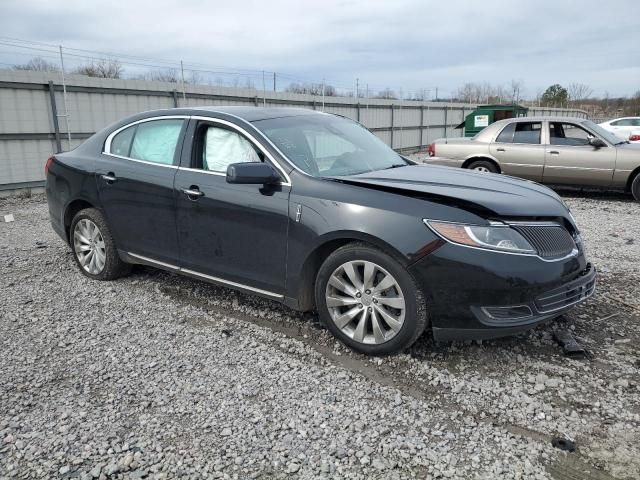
(521, 132)
(625, 122)
(121, 143)
(156, 141)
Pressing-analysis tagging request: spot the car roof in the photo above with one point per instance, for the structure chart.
(541, 119)
(253, 114)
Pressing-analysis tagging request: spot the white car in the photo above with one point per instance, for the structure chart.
(622, 127)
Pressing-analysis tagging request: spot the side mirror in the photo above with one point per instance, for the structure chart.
(255, 173)
(597, 142)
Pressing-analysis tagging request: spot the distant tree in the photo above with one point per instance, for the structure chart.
(169, 75)
(105, 68)
(388, 94)
(515, 90)
(555, 96)
(38, 64)
(311, 89)
(578, 92)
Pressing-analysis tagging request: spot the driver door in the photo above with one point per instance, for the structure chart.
(234, 233)
(571, 160)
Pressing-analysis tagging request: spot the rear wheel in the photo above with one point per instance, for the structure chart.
(93, 246)
(369, 301)
(635, 187)
(483, 166)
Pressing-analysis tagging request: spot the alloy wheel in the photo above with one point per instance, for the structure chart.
(482, 169)
(365, 302)
(89, 246)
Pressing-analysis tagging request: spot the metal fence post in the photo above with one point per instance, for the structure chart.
(392, 113)
(445, 120)
(175, 98)
(421, 125)
(255, 100)
(54, 113)
(358, 111)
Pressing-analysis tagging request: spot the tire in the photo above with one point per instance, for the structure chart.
(89, 233)
(352, 312)
(635, 187)
(483, 166)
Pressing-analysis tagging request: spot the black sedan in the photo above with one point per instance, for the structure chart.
(316, 212)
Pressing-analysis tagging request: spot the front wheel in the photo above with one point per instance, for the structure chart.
(369, 301)
(93, 247)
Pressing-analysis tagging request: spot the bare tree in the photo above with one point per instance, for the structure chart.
(387, 93)
(169, 75)
(515, 90)
(38, 64)
(311, 89)
(104, 68)
(578, 92)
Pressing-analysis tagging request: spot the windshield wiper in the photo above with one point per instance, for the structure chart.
(395, 165)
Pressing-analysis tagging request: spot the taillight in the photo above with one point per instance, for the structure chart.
(635, 137)
(432, 150)
(47, 165)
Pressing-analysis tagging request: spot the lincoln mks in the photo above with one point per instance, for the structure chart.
(314, 211)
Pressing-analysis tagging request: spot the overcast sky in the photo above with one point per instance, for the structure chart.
(395, 43)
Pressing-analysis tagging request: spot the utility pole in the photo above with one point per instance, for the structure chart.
(184, 94)
(274, 81)
(436, 94)
(64, 97)
(323, 94)
(264, 91)
(357, 86)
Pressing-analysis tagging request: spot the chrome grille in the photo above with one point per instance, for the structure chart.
(550, 240)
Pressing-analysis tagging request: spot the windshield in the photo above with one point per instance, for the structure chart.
(327, 146)
(608, 136)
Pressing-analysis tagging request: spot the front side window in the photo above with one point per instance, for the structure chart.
(326, 145)
(568, 134)
(220, 147)
(156, 141)
(521, 132)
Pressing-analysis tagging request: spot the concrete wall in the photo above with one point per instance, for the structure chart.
(33, 124)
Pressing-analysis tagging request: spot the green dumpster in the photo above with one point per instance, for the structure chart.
(485, 115)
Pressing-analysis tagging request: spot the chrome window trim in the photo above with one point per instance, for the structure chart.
(253, 140)
(166, 165)
(205, 276)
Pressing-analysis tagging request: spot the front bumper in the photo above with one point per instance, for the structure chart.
(475, 294)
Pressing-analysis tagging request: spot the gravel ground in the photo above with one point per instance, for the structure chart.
(160, 376)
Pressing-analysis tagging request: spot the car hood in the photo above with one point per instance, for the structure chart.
(492, 193)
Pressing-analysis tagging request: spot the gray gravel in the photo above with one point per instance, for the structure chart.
(159, 376)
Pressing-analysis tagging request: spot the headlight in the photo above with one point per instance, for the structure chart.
(498, 237)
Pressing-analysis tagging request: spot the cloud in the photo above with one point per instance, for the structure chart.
(403, 43)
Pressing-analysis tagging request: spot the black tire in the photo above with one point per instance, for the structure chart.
(635, 187)
(114, 267)
(484, 165)
(415, 315)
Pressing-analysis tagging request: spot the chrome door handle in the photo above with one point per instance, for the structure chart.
(109, 177)
(554, 152)
(500, 149)
(191, 192)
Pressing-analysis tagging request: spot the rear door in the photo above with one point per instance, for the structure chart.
(519, 150)
(135, 177)
(570, 159)
(622, 128)
(236, 234)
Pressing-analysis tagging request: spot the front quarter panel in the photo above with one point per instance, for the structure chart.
(331, 211)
